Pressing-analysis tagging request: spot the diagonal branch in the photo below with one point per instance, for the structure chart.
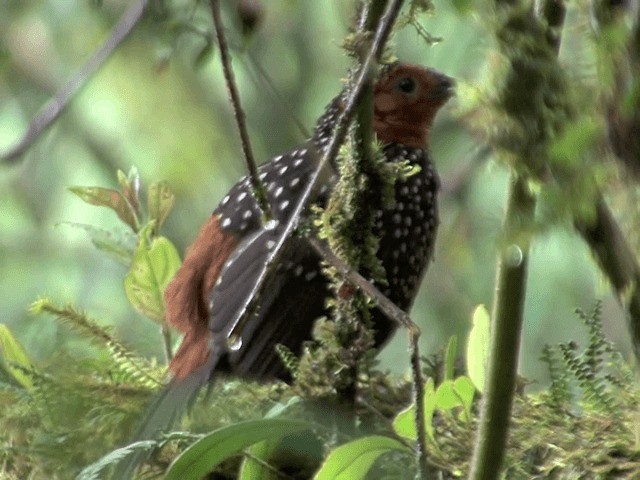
(258, 189)
(52, 110)
(339, 134)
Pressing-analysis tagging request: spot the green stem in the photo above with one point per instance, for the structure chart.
(506, 329)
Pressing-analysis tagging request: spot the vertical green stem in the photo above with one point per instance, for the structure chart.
(506, 329)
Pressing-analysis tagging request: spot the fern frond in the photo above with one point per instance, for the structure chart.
(134, 368)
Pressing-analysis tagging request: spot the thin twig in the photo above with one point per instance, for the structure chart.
(337, 138)
(396, 314)
(387, 307)
(258, 189)
(52, 110)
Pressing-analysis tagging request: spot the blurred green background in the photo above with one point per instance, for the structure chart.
(151, 106)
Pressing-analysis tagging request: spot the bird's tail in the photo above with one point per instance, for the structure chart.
(167, 409)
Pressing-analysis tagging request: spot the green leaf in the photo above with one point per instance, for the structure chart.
(478, 347)
(130, 185)
(160, 200)
(119, 244)
(251, 468)
(450, 357)
(405, 422)
(446, 397)
(107, 197)
(353, 460)
(201, 457)
(13, 355)
(464, 388)
(152, 268)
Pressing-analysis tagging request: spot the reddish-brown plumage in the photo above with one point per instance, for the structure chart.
(404, 116)
(406, 99)
(186, 297)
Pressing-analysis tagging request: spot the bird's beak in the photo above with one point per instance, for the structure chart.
(445, 87)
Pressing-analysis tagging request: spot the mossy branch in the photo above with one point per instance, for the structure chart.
(532, 47)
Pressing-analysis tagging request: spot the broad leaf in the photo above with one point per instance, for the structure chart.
(13, 356)
(251, 468)
(154, 265)
(201, 457)
(353, 460)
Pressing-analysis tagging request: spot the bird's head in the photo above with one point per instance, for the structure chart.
(406, 100)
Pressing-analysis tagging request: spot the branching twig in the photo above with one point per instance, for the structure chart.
(258, 190)
(52, 110)
(396, 314)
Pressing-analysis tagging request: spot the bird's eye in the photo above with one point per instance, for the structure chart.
(407, 85)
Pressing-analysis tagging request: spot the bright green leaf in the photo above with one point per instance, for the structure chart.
(446, 397)
(152, 268)
(405, 422)
(478, 347)
(450, 357)
(201, 457)
(13, 355)
(160, 200)
(353, 460)
(464, 388)
(106, 197)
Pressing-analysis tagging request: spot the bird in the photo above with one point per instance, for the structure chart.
(222, 264)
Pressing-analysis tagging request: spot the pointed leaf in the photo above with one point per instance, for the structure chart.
(152, 268)
(353, 460)
(107, 197)
(160, 200)
(130, 186)
(14, 355)
(478, 347)
(201, 457)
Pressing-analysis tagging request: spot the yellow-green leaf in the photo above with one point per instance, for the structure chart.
(405, 422)
(478, 347)
(160, 200)
(154, 265)
(13, 355)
